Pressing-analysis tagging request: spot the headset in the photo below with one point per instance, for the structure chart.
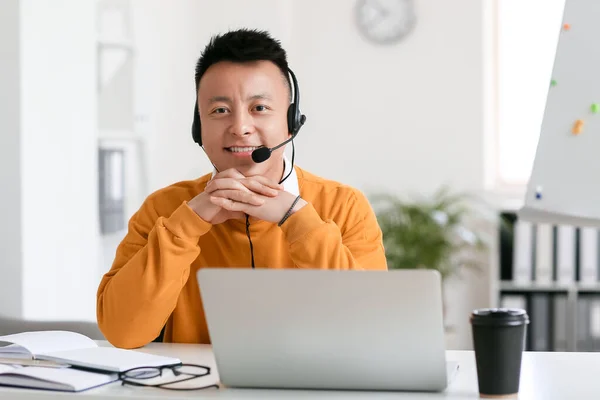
(295, 118)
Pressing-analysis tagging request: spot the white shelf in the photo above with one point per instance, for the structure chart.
(112, 43)
(509, 286)
(588, 287)
(120, 135)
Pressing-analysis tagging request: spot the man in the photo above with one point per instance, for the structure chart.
(246, 214)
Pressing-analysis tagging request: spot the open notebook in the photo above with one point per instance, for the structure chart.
(62, 379)
(76, 350)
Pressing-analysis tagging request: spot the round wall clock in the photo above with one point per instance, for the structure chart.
(385, 21)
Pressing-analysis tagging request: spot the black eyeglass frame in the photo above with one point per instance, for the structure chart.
(125, 380)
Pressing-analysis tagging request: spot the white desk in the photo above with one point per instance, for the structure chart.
(544, 376)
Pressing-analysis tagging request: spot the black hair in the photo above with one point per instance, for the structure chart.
(243, 45)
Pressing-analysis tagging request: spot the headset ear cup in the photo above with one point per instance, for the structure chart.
(291, 118)
(294, 119)
(196, 128)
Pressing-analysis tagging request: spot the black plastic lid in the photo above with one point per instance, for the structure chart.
(499, 316)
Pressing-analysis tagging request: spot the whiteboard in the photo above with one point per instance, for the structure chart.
(564, 186)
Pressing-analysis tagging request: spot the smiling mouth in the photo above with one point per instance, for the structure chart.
(236, 149)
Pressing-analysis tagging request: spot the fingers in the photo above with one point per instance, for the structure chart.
(238, 196)
(226, 184)
(235, 174)
(258, 187)
(267, 182)
(229, 204)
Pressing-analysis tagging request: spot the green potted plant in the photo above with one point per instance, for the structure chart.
(443, 232)
(431, 232)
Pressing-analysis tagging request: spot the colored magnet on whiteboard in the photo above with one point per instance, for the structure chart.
(553, 82)
(577, 127)
(595, 107)
(538, 192)
(566, 27)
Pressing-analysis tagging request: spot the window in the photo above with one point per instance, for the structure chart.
(526, 35)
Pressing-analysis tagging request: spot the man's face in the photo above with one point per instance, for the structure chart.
(243, 106)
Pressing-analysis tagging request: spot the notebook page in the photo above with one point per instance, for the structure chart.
(8, 368)
(15, 351)
(77, 379)
(109, 358)
(46, 341)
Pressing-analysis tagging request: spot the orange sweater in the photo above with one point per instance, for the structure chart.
(152, 282)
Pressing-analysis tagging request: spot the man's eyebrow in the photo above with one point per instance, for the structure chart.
(225, 99)
(218, 99)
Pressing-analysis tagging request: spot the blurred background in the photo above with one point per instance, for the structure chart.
(402, 97)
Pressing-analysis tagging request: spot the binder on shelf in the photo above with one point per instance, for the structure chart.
(594, 325)
(583, 325)
(523, 251)
(544, 254)
(540, 322)
(560, 323)
(565, 254)
(588, 250)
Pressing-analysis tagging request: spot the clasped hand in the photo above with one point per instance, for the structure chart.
(231, 195)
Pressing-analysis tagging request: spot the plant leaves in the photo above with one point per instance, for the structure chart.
(431, 232)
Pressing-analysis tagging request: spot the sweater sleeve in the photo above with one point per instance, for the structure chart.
(357, 245)
(152, 263)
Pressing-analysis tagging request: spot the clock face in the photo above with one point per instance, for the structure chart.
(385, 21)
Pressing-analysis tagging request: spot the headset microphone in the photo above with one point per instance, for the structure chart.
(262, 154)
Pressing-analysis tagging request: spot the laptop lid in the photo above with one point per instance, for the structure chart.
(326, 329)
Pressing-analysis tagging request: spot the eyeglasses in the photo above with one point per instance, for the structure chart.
(191, 371)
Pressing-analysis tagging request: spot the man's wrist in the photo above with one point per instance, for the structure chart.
(184, 222)
(296, 205)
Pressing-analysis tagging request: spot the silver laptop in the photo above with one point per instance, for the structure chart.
(326, 329)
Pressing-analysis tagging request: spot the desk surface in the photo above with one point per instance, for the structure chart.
(546, 376)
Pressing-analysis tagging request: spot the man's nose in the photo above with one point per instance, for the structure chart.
(243, 124)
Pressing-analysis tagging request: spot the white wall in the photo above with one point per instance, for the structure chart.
(60, 194)
(10, 169)
(49, 163)
(403, 118)
(411, 113)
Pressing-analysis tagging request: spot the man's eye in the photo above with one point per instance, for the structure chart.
(220, 110)
(260, 108)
